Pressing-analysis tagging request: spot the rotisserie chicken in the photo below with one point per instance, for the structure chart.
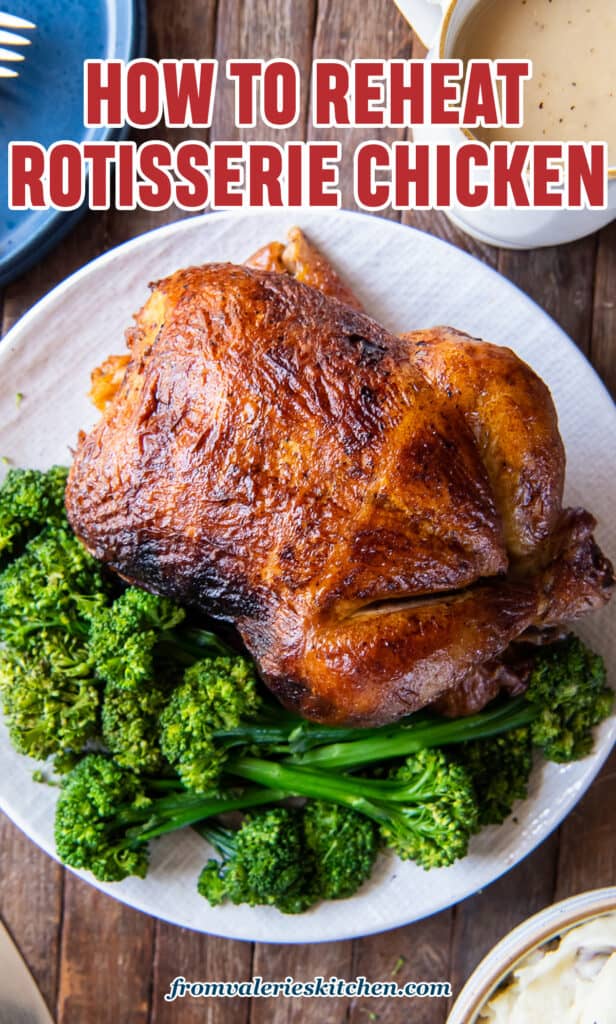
(380, 517)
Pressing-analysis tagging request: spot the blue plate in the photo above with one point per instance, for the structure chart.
(45, 103)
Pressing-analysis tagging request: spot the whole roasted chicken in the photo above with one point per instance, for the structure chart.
(380, 517)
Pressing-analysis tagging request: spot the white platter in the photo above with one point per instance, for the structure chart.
(407, 280)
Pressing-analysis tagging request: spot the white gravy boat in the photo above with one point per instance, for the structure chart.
(437, 23)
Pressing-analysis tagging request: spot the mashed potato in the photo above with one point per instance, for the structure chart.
(572, 981)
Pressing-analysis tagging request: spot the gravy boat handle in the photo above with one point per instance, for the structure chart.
(424, 17)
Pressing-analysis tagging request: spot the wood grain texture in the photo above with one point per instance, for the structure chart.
(419, 952)
(198, 958)
(587, 851)
(303, 963)
(263, 29)
(99, 962)
(355, 31)
(484, 919)
(106, 959)
(603, 346)
(31, 887)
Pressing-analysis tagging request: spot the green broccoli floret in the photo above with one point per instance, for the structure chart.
(568, 689)
(123, 637)
(29, 500)
(344, 847)
(290, 858)
(265, 862)
(500, 768)
(130, 722)
(65, 640)
(50, 700)
(87, 834)
(140, 653)
(49, 694)
(130, 639)
(426, 810)
(106, 815)
(54, 584)
(215, 695)
(439, 815)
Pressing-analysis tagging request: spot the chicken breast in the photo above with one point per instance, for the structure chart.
(376, 515)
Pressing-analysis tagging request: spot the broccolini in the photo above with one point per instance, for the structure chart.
(29, 500)
(264, 862)
(215, 695)
(106, 815)
(426, 809)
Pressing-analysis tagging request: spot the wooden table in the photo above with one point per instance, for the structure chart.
(98, 962)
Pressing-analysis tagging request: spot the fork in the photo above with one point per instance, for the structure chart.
(9, 38)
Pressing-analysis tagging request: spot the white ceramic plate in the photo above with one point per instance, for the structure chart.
(407, 280)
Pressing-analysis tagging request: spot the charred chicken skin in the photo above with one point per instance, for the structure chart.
(378, 516)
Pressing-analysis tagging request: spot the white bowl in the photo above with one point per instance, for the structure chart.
(437, 23)
(542, 927)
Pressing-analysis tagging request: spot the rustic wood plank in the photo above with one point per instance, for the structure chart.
(419, 952)
(603, 345)
(587, 857)
(31, 905)
(302, 963)
(262, 30)
(198, 958)
(106, 959)
(347, 32)
(183, 30)
(484, 919)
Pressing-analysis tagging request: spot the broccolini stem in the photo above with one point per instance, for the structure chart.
(189, 645)
(72, 626)
(289, 736)
(404, 740)
(165, 786)
(348, 747)
(340, 789)
(295, 736)
(190, 808)
(223, 839)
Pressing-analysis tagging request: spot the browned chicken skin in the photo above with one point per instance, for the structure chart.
(378, 516)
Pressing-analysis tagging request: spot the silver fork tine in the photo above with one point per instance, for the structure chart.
(11, 55)
(8, 38)
(12, 39)
(12, 21)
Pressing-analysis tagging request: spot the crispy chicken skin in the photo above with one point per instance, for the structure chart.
(378, 516)
(304, 262)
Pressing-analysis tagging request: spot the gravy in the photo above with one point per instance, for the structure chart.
(572, 94)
